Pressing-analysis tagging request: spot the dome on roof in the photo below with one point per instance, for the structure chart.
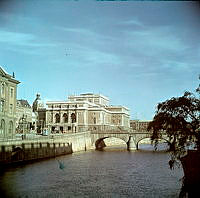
(38, 103)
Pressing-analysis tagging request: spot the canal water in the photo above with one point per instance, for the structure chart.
(114, 172)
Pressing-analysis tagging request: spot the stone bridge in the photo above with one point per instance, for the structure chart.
(131, 138)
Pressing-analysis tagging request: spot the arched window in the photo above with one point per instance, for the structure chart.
(73, 117)
(57, 116)
(10, 130)
(2, 128)
(65, 118)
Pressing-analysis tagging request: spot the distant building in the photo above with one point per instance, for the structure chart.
(8, 94)
(85, 112)
(25, 121)
(139, 125)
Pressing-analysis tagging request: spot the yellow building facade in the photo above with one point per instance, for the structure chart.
(8, 94)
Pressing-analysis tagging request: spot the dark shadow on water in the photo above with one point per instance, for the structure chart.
(162, 148)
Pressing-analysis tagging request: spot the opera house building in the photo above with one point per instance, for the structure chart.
(85, 112)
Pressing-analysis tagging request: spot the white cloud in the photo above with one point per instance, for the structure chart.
(15, 38)
(155, 41)
(97, 57)
(132, 22)
(78, 30)
(21, 39)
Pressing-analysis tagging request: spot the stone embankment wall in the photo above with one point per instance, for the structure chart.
(80, 141)
(45, 147)
(32, 151)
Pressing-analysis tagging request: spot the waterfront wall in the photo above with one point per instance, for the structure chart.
(32, 151)
(80, 141)
(44, 147)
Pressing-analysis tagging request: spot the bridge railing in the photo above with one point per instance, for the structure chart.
(120, 130)
(104, 128)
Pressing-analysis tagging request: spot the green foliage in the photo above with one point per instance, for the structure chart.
(179, 119)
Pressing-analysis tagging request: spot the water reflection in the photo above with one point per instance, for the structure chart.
(161, 147)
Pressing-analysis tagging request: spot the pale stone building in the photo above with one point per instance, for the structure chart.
(139, 125)
(8, 94)
(85, 112)
(24, 117)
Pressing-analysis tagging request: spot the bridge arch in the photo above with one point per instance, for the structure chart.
(131, 138)
(147, 137)
(17, 153)
(98, 142)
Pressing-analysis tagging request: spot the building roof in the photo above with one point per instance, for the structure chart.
(88, 95)
(8, 76)
(23, 103)
(117, 107)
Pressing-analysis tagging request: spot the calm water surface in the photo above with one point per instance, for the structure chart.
(110, 173)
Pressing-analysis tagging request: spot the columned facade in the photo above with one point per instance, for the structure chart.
(85, 112)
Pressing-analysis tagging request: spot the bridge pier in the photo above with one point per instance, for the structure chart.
(131, 144)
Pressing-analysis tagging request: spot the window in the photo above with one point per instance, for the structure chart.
(11, 92)
(69, 128)
(79, 99)
(65, 118)
(57, 116)
(95, 120)
(73, 117)
(2, 105)
(11, 108)
(2, 88)
(10, 130)
(96, 101)
(2, 127)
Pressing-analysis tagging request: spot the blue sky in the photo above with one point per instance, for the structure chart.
(135, 53)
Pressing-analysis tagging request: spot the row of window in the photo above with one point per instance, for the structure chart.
(2, 107)
(140, 126)
(65, 106)
(2, 127)
(2, 90)
(116, 121)
(65, 118)
(2, 101)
